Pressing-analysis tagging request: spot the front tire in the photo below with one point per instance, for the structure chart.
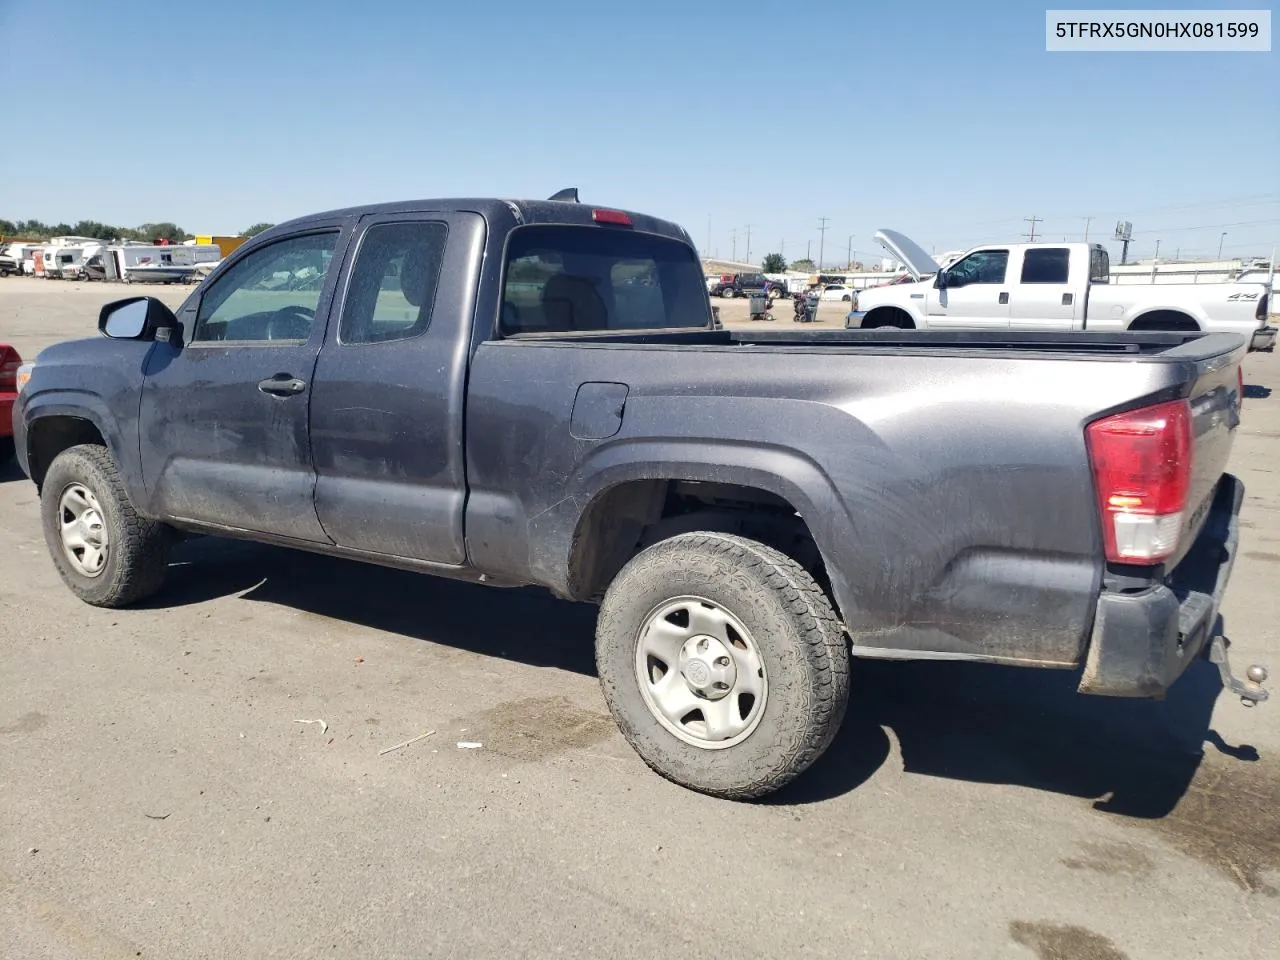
(723, 664)
(104, 551)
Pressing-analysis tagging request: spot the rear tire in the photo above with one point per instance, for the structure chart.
(728, 293)
(104, 551)
(6, 450)
(776, 616)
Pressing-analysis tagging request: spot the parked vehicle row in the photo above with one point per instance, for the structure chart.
(749, 509)
(1053, 287)
(9, 363)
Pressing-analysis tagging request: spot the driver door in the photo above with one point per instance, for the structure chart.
(976, 296)
(224, 422)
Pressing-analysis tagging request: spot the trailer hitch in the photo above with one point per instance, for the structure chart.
(1249, 690)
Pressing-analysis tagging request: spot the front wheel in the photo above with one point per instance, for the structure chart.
(105, 552)
(723, 664)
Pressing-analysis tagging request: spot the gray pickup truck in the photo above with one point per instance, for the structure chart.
(534, 393)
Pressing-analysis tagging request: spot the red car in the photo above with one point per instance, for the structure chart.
(9, 361)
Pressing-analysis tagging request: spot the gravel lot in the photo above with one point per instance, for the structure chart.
(160, 798)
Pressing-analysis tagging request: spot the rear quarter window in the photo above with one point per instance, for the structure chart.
(569, 279)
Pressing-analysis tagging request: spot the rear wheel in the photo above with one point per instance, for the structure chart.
(723, 663)
(105, 552)
(728, 293)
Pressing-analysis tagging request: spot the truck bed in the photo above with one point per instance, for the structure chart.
(945, 475)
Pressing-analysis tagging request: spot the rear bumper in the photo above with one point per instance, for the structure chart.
(1143, 641)
(1263, 338)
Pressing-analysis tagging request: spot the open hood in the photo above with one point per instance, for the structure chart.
(907, 251)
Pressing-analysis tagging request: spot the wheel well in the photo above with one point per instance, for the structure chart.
(888, 317)
(632, 516)
(1165, 320)
(49, 436)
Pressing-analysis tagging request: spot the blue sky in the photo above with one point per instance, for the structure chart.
(947, 121)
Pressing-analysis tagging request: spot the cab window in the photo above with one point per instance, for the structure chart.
(1045, 265)
(270, 295)
(981, 266)
(393, 285)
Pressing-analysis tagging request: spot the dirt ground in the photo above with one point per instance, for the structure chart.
(162, 795)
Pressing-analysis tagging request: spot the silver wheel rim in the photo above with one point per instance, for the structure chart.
(700, 673)
(83, 530)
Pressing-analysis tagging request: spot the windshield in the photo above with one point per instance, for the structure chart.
(562, 279)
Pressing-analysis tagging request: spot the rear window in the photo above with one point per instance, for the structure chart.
(1046, 265)
(1099, 266)
(565, 279)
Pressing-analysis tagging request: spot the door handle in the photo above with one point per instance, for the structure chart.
(1004, 298)
(282, 385)
(1067, 299)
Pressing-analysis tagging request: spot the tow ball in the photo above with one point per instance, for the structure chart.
(1250, 689)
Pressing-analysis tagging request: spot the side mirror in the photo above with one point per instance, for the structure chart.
(137, 318)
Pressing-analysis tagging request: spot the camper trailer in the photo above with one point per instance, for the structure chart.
(61, 257)
(148, 262)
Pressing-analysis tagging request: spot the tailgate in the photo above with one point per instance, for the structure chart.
(1215, 397)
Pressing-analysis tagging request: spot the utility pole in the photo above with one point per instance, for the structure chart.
(1157, 250)
(1220, 239)
(1087, 221)
(749, 226)
(849, 254)
(1031, 235)
(734, 234)
(808, 251)
(822, 239)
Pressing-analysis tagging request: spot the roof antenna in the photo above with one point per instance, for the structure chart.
(568, 194)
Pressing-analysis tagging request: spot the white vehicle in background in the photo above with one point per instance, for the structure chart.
(836, 292)
(1051, 287)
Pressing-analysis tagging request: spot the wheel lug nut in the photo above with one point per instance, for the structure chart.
(722, 661)
(721, 685)
(702, 645)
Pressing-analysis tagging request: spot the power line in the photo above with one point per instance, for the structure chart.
(1031, 235)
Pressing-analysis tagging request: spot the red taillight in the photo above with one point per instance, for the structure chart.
(1261, 313)
(9, 363)
(611, 216)
(1142, 470)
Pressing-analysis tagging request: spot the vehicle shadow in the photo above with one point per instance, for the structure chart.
(9, 471)
(526, 625)
(1254, 391)
(964, 721)
(1031, 728)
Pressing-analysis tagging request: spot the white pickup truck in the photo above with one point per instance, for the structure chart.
(1051, 287)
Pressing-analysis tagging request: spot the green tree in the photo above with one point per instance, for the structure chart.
(804, 266)
(162, 231)
(256, 229)
(7, 228)
(92, 228)
(774, 263)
